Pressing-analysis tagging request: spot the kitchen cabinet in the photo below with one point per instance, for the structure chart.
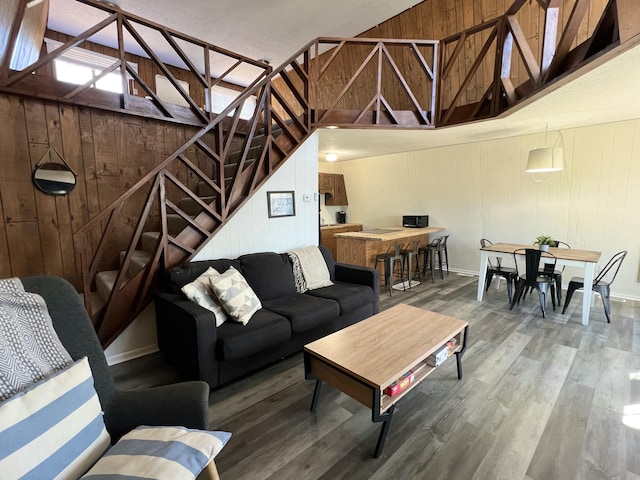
(326, 183)
(327, 233)
(332, 186)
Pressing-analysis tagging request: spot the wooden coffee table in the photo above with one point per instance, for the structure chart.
(364, 359)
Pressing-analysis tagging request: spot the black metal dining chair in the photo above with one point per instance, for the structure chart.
(601, 284)
(510, 274)
(532, 278)
(549, 270)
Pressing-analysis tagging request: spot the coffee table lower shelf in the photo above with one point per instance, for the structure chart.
(382, 406)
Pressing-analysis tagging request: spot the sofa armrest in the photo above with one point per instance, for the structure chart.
(362, 276)
(182, 404)
(187, 333)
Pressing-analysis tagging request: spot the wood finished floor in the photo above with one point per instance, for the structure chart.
(540, 399)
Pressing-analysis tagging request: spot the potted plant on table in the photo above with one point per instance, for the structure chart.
(544, 242)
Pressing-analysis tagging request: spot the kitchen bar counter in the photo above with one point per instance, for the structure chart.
(328, 232)
(335, 226)
(361, 248)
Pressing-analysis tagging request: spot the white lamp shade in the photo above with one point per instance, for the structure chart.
(545, 160)
(331, 157)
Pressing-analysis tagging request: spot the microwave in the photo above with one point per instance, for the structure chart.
(415, 221)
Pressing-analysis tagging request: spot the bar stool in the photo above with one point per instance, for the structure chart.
(392, 255)
(443, 249)
(409, 256)
(429, 253)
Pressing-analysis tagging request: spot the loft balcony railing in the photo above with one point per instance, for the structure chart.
(200, 64)
(365, 82)
(505, 67)
(351, 83)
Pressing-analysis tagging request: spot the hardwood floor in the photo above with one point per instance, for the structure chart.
(540, 399)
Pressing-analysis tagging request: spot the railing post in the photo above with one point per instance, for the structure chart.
(123, 69)
(434, 84)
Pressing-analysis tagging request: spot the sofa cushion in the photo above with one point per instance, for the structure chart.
(269, 274)
(266, 329)
(55, 428)
(179, 276)
(349, 296)
(161, 453)
(304, 311)
(331, 264)
(236, 296)
(200, 292)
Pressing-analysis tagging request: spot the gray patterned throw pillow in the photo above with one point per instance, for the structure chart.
(30, 349)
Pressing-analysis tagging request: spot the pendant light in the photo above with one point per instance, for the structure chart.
(546, 159)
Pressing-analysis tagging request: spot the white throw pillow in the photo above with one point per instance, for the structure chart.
(200, 292)
(161, 453)
(236, 295)
(54, 429)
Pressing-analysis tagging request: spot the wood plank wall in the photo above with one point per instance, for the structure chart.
(108, 151)
(439, 19)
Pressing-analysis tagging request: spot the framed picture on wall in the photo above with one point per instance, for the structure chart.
(281, 204)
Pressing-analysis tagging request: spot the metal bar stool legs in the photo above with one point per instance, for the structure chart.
(409, 257)
(429, 252)
(389, 260)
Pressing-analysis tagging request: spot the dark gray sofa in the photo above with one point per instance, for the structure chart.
(288, 320)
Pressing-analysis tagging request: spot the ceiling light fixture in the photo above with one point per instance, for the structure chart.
(546, 159)
(332, 127)
(331, 157)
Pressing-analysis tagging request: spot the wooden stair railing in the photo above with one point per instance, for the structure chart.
(216, 170)
(261, 144)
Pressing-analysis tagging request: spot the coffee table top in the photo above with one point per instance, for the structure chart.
(379, 349)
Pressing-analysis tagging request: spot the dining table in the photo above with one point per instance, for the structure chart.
(571, 257)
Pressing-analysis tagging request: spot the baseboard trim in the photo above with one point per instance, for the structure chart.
(130, 355)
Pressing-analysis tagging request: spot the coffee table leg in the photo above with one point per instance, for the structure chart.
(461, 352)
(386, 419)
(316, 395)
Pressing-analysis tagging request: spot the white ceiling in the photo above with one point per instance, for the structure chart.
(271, 30)
(276, 29)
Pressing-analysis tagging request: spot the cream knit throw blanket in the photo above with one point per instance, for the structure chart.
(30, 349)
(309, 268)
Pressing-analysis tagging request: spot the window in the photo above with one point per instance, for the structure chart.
(78, 66)
(168, 93)
(222, 97)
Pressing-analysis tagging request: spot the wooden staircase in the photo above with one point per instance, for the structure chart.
(172, 211)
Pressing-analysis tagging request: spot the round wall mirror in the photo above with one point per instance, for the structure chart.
(54, 178)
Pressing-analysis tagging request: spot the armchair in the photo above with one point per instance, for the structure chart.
(185, 404)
